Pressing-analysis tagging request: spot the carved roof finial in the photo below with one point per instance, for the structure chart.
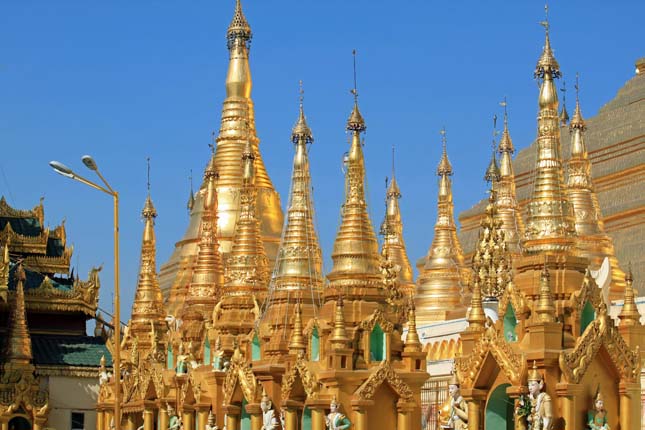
(355, 123)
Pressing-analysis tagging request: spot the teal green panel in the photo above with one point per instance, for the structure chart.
(207, 351)
(255, 348)
(587, 316)
(306, 419)
(315, 345)
(510, 322)
(499, 410)
(170, 360)
(377, 344)
(245, 421)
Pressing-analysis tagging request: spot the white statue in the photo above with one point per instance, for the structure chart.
(211, 424)
(269, 420)
(335, 420)
(104, 375)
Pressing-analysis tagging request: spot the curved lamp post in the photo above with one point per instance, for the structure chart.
(89, 162)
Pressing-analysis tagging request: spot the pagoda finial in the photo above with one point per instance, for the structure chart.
(191, 197)
(355, 123)
(339, 337)
(545, 308)
(505, 143)
(412, 341)
(476, 317)
(547, 64)
(297, 342)
(564, 115)
(239, 29)
(301, 130)
(18, 339)
(444, 168)
(578, 123)
(492, 174)
(629, 316)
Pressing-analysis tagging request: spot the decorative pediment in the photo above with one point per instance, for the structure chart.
(20, 389)
(240, 373)
(516, 299)
(589, 292)
(377, 317)
(384, 373)
(491, 344)
(307, 378)
(600, 333)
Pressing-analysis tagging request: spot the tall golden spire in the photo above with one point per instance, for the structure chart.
(392, 231)
(19, 348)
(508, 210)
(299, 261)
(550, 225)
(148, 302)
(629, 316)
(207, 276)
(298, 270)
(592, 242)
(237, 129)
(247, 267)
(355, 272)
(439, 286)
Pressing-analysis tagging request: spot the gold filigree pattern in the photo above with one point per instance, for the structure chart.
(376, 318)
(240, 373)
(601, 332)
(385, 372)
(307, 378)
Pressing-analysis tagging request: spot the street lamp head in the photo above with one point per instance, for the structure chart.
(61, 169)
(89, 162)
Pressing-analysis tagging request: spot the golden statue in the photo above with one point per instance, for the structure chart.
(541, 416)
(457, 416)
(598, 416)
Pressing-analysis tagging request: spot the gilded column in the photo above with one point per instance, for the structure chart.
(593, 243)
(550, 224)
(440, 283)
(130, 422)
(202, 418)
(188, 417)
(100, 420)
(163, 418)
(149, 418)
(253, 409)
(569, 396)
(291, 419)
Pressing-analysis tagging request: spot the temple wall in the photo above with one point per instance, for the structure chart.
(69, 394)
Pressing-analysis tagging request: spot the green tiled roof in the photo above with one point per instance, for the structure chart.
(70, 351)
(24, 226)
(34, 279)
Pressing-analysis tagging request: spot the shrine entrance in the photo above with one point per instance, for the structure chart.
(19, 423)
(499, 410)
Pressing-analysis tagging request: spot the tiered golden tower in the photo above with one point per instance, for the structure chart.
(593, 243)
(247, 348)
(236, 130)
(441, 282)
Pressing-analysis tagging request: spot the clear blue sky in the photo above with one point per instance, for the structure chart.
(125, 80)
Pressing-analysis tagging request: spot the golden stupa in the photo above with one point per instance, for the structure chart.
(259, 337)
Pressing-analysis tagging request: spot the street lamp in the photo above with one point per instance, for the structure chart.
(89, 162)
